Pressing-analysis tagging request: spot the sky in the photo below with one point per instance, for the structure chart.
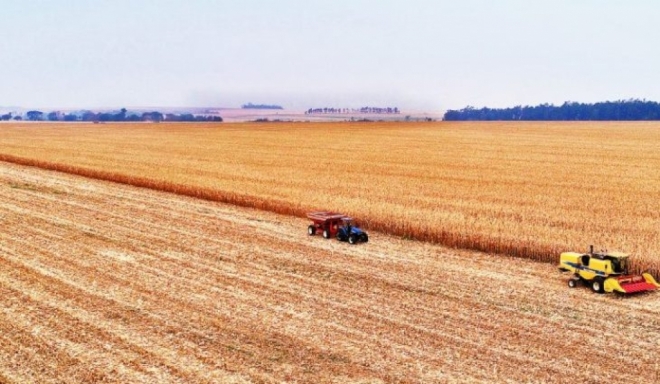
(427, 55)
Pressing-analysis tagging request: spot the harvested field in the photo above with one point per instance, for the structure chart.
(524, 189)
(101, 282)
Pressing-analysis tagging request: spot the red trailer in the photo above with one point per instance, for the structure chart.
(325, 222)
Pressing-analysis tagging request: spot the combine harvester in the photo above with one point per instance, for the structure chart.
(333, 224)
(604, 272)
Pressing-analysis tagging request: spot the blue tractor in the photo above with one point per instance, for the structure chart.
(351, 233)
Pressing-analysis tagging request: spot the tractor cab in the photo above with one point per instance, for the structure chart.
(347, 223)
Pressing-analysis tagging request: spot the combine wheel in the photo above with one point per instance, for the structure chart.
(597, 285)
(311, 230)
(326, 234)
(352, 239)
(572, 283)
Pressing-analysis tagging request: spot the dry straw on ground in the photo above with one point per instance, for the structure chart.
(101, 282)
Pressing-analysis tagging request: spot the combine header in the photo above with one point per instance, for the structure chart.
(604, 272)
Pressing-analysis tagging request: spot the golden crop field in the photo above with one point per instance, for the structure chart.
(524, 189)
(108, 283)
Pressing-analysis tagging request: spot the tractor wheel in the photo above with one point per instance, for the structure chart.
(365, 238)
(311, 230)
(597, 285)
(572, 283)
(326, 234)
(352, 239)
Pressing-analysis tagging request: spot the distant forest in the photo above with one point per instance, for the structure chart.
(632, 109)
(261, 106)
(121, 115)
(384, 110)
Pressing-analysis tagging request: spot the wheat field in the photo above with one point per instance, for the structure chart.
(523, 189)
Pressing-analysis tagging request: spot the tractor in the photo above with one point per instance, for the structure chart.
(604, 272)
(333, 224)
(351, 233)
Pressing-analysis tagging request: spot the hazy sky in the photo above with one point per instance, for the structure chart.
(414, 54)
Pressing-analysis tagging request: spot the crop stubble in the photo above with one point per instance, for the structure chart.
(523, 189)
(107, 283)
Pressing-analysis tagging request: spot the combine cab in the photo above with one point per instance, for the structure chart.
(333, 224)
(604, 272)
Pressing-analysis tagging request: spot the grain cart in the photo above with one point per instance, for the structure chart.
(325, 222)
(333, 224)
(604, 272)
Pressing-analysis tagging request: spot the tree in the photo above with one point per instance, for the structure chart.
(105, 117)
(35, 115)
(89, 116)
(53, 116)
(261, 106)
(152, 116)
(121, 116)
(631, 109)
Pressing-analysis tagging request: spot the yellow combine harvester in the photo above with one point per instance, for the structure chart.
(604, 272)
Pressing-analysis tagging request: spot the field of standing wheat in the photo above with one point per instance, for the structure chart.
(523, 189)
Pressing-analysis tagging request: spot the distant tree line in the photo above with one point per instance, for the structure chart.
(121, 115)
(261, 106)
(386, 110)
(632, 109)
(10, 116)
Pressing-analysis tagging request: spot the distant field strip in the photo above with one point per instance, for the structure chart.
(525, 189)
